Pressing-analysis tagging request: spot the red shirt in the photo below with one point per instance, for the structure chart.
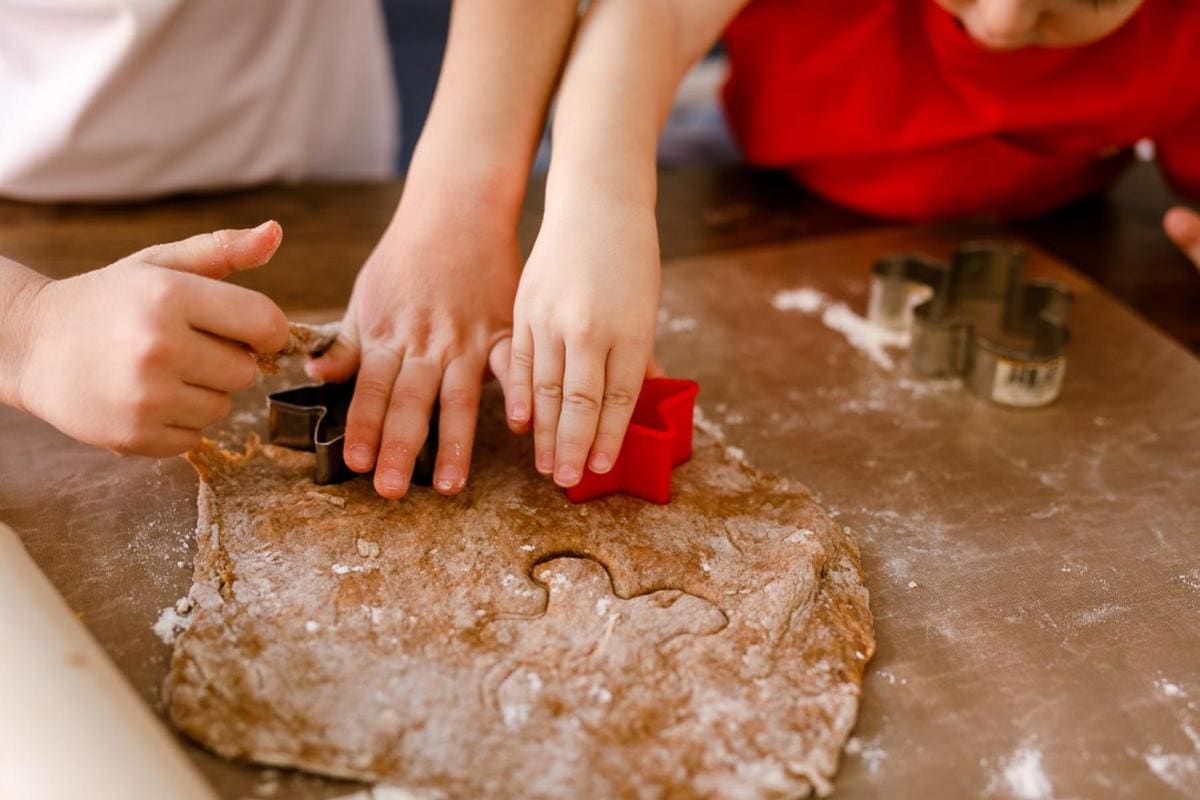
(889, 106)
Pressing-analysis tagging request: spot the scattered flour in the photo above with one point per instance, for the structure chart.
(1180, 771)
(804, 300)
(682, 324)
(1094, 616)
(864, 336)
(1021, 776)
(1169, 689)
(173, 620)
(869, 751)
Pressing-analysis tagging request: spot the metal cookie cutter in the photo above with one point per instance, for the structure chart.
(978, 318)
(312, 417)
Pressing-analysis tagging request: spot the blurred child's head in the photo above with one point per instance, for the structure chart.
(1010, 24)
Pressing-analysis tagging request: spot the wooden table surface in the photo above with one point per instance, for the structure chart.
(1035, 575)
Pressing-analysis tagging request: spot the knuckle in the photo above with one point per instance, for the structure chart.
(150, 353)
(547, 390)
(572, 444)
(619, 398)
(161, 288)
(408, 397)
(372, 389)
(522, 359)
(578, 400)
(380, 328)
(460, 399)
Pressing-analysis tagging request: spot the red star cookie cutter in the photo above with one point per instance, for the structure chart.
(659, 438)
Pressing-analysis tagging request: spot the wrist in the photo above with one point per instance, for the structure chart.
(473, 183)
(20, 290)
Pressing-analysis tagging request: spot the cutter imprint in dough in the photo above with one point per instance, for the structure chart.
(506, 643)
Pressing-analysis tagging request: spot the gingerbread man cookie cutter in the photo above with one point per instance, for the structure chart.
(979, 318)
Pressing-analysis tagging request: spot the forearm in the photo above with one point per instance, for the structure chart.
(18, 288)
(621, 77)
(502, 62)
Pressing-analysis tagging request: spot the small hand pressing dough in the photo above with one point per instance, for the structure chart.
(505, 643)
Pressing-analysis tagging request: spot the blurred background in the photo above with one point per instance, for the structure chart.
(695, 135)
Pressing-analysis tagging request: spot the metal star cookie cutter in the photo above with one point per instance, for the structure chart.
(312, 417)
(977, 318)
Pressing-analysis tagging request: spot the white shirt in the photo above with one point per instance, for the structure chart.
(112, 99)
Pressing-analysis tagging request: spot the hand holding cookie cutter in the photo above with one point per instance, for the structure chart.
(659, 438)
(312, 417)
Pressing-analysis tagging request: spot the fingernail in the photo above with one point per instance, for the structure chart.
(545, 463)
(262, 228)
(360, 457)
(601, 462)
(520, 412)
(566, 476)
(392, 481)
(449, 479)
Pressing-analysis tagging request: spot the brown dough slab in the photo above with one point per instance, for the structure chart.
(505, 643)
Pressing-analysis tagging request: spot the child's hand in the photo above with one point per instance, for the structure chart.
(428, 309)
(583, 335)
(1183, 226)
(139, 356)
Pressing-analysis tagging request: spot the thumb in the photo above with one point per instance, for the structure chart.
(339, 362)
(1183, 227)
(498, 359)
(216, 254)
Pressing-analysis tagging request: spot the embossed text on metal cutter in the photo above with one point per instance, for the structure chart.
(978, 318)
(312, 417)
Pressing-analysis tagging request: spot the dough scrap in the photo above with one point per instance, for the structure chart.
(505, 643)
(303, 340)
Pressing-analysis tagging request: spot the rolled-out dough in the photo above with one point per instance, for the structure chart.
(505, 643)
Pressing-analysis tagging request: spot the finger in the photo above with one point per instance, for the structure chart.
(406, 425)
(364, 419)
(498, 362)
(194, 407)
(654, 369)
(547, 401)
(1183, 227)
(623, 384)
(219, 364)
(163, 442)
(461, 386)
(519, 397)
(216, 254)
(583, 390)
(236, 313)
(339, 362)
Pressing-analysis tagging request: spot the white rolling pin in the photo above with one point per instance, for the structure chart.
(71, 726)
